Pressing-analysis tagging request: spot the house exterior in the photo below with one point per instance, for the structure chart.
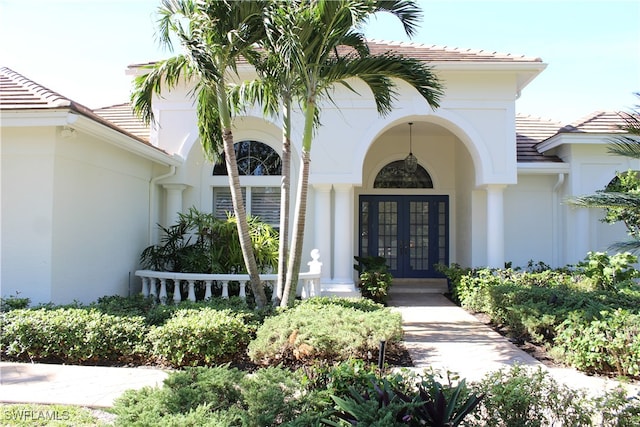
(83, 190)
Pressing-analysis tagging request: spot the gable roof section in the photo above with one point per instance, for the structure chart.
(18, 93)
(589, 129)
(598, 122)
(529, 132)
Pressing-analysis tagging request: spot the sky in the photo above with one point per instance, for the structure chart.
(81, 48)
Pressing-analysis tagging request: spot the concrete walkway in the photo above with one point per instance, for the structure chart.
(443, 336)
(92, 386)
(438, 334)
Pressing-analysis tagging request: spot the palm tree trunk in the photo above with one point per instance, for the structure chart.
(241, 220)
(285, 200)
(295, 256)
(238, 203)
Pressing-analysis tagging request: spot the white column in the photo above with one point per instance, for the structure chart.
(174, 201)
(343, 234)
(322, 222)
(495, 225)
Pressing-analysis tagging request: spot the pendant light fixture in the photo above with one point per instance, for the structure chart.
(410, 162)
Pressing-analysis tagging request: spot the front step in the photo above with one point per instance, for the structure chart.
(419, 286)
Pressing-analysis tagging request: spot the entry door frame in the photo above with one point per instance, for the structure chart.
(398, 251)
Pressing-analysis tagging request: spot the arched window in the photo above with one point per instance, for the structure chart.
(254, 158)
(394, 175)
(261, 197)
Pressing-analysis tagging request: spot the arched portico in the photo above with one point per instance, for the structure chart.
(459, 219)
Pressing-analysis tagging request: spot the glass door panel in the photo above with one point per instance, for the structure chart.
(411, 232)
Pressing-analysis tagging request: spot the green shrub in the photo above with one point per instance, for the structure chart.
(616, 409)
(13, 303)
(454, 274)
(473, 290)
(160, 313)
(527, 397)
(360, 304)
(325, 332)
(221, 396)
(338, 378)
(217, 387)
(608, 271)
(201, 243)
(72, 335)
(200, 337)
(609, 343)
(272, 396)
(375, 279)
(537, 305)
(193, 397)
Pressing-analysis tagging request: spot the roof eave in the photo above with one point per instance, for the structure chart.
(584, 138)
(99, 128)
(125, 141)
(542, 168)
(526, 71)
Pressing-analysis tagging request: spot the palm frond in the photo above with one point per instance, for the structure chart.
(171, 16)
(632, 246)
(167, 72)
(407, 11)
(262, 92)
(625, 146)
(209, 123)
(378, 72)
(605, 199)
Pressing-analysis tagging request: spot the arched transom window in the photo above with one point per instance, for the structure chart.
(254, 158)
(394, 175)
(261, 197)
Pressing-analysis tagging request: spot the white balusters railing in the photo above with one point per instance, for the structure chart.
(152, 280)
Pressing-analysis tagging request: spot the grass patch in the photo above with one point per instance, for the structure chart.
(31, 415)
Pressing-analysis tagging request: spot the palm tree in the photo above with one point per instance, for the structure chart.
(214, 36)
(622, 202)
(274, 90)
(325, 49)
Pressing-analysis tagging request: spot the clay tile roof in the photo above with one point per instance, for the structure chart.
(19, 93)
(433, 53)
(529, 132)
(123, 116)
(598, 122)
(428, 53)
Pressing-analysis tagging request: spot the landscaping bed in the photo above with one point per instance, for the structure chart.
(586, 317)
(138, 331)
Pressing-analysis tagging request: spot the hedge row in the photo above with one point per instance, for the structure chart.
(592, 327)
(135, 331)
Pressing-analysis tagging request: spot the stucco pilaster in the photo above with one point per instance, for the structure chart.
(174, 202)
(343, 234)
(322, 228)
(495, 225)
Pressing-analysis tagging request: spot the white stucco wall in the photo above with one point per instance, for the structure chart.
(75, 215)
(530, 216)
(27, 222)
(101, 212)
